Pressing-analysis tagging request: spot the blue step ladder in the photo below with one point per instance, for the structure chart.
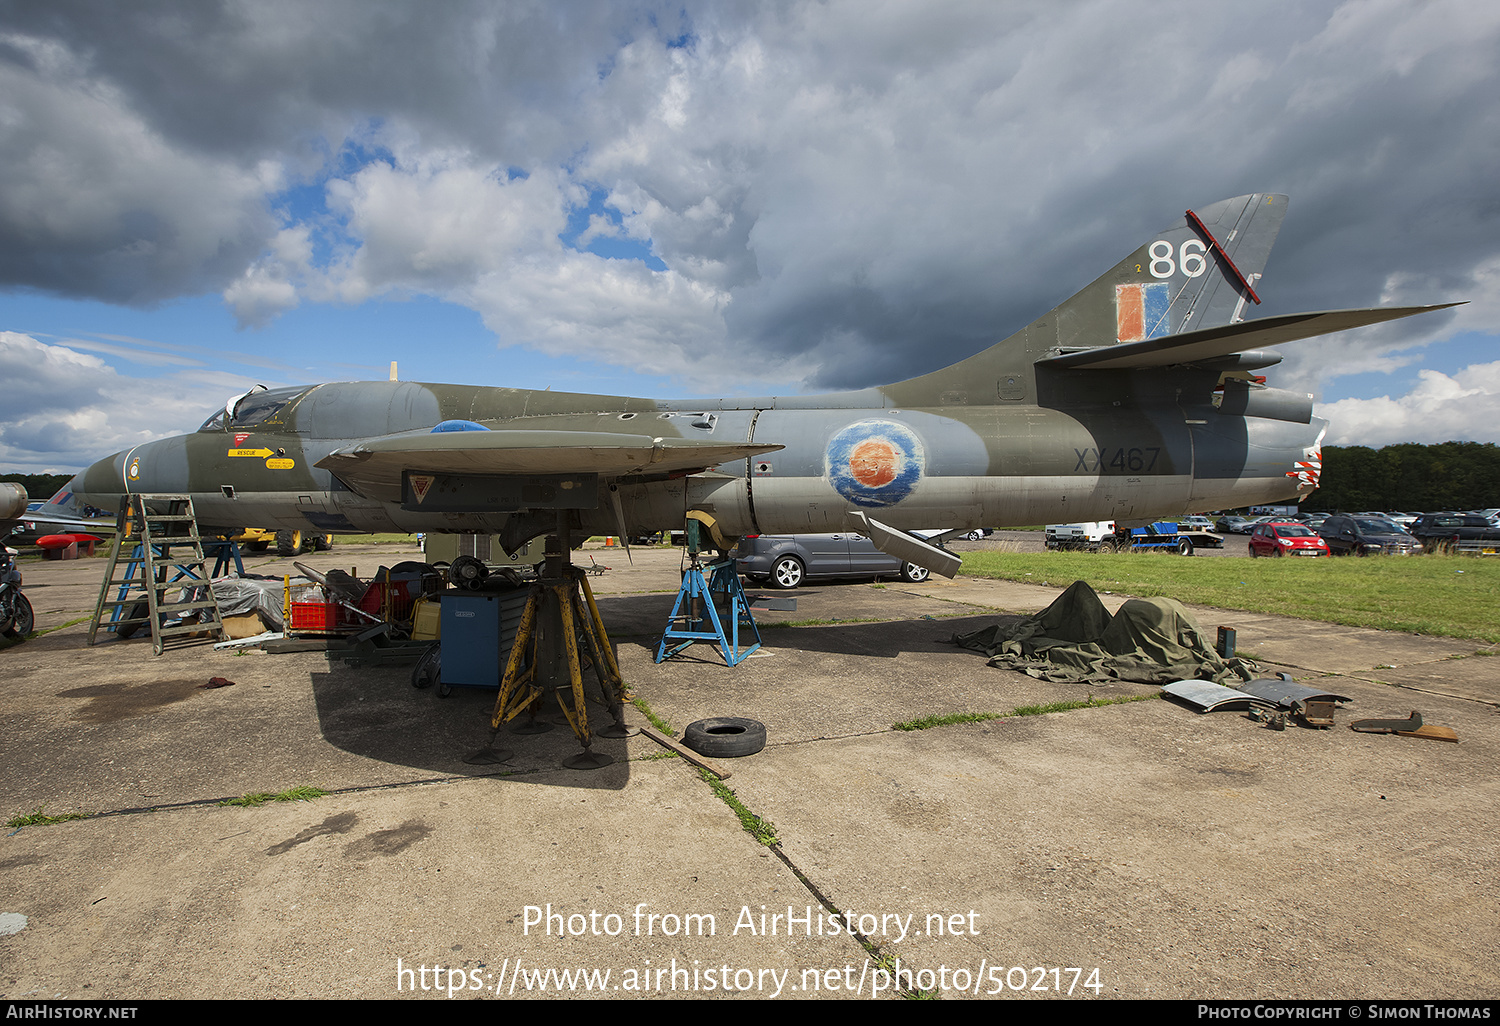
(701, 621)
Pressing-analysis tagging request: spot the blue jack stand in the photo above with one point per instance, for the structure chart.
(701, 622)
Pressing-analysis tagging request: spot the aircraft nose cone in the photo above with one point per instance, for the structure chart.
(101, 484)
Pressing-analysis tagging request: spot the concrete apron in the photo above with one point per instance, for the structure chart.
(1180, 855)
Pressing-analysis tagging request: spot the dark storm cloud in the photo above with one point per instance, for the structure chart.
(854, 192)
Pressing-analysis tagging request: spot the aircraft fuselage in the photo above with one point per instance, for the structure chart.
(958, 466)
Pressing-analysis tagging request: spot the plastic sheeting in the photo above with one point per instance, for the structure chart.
(239, 595)
(1076, 640)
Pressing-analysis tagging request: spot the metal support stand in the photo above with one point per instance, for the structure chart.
(702, 621)
(226, 553)
(560, 613)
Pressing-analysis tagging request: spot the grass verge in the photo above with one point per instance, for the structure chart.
(755, 826)
(656, 721)
(928, 722)
(1448, 596)
(257, 798)
(37, 817)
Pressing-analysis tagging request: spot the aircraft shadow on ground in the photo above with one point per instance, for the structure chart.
(376, 713)
(640, 620)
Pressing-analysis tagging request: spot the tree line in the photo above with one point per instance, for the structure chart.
(39, 486)
(1409, 477)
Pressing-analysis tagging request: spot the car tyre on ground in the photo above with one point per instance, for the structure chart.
(1184, 547)
(787, 572)
(725, 737)
(914, 574)
(1106, 546)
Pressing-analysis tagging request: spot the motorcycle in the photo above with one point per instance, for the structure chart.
(16, 618)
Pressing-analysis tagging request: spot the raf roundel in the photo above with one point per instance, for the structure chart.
(874, 463)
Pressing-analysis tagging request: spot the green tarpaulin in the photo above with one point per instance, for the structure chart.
(1076, 640)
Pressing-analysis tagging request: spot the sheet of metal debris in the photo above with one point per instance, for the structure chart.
(1208, 696)
(1285, 692)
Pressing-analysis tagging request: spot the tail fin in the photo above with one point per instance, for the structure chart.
(1180, 298)
(1188, 277)
(1198, 273)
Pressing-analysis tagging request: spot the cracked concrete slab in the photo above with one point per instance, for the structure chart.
(1180, 854)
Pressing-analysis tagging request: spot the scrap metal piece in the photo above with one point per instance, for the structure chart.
(1274, 720)
(1388, 726)
(1413, 727)
(1313, 707)
(1209, 697)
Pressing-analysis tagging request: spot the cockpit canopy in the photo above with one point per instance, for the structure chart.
(253, 408)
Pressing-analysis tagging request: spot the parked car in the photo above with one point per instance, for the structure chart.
(1456, 532)
(786, 560)
(1366, 536)
(1235, 525)
(1284, 539)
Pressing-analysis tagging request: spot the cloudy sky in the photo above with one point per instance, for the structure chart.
(711, 198)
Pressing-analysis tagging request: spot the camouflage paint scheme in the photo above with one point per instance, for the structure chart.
(1132, 400)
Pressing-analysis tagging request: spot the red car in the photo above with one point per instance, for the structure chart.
(1286, 540)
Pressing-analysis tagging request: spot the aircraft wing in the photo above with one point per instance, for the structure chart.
(1209, 343)
(60, 523)
(374, 467)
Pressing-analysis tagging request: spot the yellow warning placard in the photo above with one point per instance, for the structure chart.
(280, 464)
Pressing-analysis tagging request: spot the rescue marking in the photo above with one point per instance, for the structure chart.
(239, 438)
(874, 463)
(258, 453)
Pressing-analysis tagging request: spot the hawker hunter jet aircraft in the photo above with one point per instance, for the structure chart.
(1135, 399)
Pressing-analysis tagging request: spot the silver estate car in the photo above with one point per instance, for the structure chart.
(786, 560)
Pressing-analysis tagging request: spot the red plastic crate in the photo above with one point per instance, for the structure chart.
(315, 616)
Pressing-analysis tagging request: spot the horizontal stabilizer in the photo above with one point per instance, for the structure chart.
(1210, 343)
(374, 467)
(905, 546)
